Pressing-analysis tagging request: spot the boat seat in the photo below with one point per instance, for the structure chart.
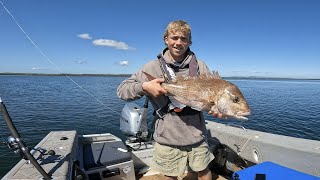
(105, 154)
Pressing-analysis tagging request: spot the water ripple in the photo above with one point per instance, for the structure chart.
(40, 104)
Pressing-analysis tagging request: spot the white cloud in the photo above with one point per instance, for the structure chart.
(84, 36)
(81, 61)
(124, 63)
(38, 68)
(112, 43)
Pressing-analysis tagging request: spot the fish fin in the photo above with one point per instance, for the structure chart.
(171, 73)
(149, 76)
(235, 117)
(196, 108)
(202, 105)
(242, 118)
(216, 75)
(181, 78)
(176, 103)
(196, 105)
(199, 105)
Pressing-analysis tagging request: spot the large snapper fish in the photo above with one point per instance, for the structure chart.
(208, 92)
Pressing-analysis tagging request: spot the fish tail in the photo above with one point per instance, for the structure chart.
(149, 76)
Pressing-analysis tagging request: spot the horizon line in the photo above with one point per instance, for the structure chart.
(128, 75)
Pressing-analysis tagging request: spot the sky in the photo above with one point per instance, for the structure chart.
(268, 38)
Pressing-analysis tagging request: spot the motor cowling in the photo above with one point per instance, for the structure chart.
(133, 120)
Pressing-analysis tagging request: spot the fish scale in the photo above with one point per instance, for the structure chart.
(208, 92)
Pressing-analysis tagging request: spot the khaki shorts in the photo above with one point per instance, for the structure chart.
(172, 161)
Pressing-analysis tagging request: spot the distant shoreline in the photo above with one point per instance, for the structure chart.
(128, 75)
(44, 74)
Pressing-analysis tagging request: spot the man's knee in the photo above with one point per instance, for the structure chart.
(171, 177)
(204, 172)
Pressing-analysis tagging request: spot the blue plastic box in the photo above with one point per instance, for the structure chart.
(271, 171)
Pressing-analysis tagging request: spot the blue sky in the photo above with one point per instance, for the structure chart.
(273, 38)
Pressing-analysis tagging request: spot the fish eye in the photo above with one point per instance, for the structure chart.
(236, 100)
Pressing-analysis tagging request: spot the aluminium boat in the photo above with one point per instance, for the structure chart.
(239, 153)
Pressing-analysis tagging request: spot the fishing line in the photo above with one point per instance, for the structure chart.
(2, 140)
(48, 59)
(57, 67)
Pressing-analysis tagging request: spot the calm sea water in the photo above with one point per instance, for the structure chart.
(40, 104)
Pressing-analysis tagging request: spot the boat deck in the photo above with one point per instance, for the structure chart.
(66, 144)
(187, 176)
(57, 166)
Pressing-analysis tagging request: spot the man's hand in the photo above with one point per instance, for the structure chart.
(153, 87)
(216, 114)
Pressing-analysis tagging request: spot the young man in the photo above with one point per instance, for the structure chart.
(180, 136)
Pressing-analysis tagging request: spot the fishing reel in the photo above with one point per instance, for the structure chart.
(14, 146)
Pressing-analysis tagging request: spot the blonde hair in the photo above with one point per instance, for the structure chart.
(178, 26)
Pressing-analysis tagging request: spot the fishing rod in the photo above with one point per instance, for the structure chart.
(143, 125)
(16, 143)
